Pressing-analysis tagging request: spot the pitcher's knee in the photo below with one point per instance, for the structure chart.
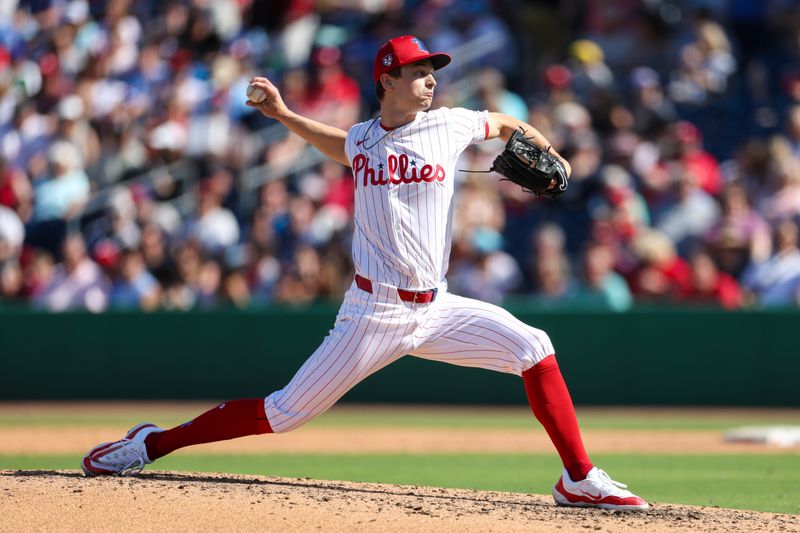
(282, 417)
(540, 346)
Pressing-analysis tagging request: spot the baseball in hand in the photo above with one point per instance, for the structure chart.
(254, 94)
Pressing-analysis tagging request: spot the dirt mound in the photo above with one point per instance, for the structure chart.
(168, 501)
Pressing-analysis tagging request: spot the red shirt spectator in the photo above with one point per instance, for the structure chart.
(662, 272)
(341, 190)
(684, 149)
(696, 160)
(9, 195)
(709, 285)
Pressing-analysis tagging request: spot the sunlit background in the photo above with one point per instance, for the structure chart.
(132, 175)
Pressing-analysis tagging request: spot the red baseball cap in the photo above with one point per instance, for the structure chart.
(402, 51)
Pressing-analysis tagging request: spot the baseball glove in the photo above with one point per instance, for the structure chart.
(531, 167)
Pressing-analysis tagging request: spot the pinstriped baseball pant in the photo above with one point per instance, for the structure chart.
(374, 329)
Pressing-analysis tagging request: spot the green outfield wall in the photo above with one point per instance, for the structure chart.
(666, 357)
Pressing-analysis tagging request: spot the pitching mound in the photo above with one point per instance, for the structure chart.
(168, 501)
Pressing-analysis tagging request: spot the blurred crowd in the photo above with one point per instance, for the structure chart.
(124, 143)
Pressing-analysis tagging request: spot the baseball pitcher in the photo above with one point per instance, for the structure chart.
(403, 165)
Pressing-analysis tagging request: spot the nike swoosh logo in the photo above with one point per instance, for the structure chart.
(359, 143)
(592, 496)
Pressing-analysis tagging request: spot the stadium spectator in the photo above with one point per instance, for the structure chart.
(335, 96)
(590, 77)
(135, 287)
(110, 114)
(297, 230)
(612, 26)
(709, 285)
(150, 210)
(479, 206)
(489, 273)
(11, 282)
(206, 287)
(706, 65)
(682, 147)
(776, 281)
(79, 132)
(689, 212)
(235, 290)
(12, 234)
(77, 282)
(553, 280)
(183, 292)
(549, 270)
(652, 110)
(619, 213)
(599, 286)
(155, 254)
(741, 235)
(781, 200)
(213, 227)
(63, 194)
(493, 95)
(662, 274)
(301, 281)
(548, 242)
(122, 213)
(37, 273)
(16, 192)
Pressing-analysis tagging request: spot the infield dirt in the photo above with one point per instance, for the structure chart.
(169, 501)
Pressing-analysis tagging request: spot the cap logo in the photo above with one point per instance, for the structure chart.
(387, 60)
(420, 45)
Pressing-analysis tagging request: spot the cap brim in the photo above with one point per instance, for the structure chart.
(439, 60)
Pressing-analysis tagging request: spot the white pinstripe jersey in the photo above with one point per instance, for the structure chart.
(404, 183)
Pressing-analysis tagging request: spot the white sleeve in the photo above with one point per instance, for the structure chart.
(468, 126)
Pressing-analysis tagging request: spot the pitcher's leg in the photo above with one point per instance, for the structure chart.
(368, 335)
(146, 442)
(355, 349)
(551, 403)
(228, 420)
(469, 332)
(240, 418)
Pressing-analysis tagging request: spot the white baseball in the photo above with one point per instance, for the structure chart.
(255, 94)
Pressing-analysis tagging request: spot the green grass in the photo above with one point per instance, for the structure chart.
(757, 482)
(522, 418)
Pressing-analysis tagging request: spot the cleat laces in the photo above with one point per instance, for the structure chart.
(606, 478)
(127, 455)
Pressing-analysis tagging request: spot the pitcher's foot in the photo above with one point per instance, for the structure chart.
(597, 490)
(123, 457)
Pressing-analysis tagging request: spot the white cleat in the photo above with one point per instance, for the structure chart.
(124, 457)
(597, 490)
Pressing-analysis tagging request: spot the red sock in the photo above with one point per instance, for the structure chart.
(552, 406)
(228, 420)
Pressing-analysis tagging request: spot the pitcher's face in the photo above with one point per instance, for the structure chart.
(414, 89)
